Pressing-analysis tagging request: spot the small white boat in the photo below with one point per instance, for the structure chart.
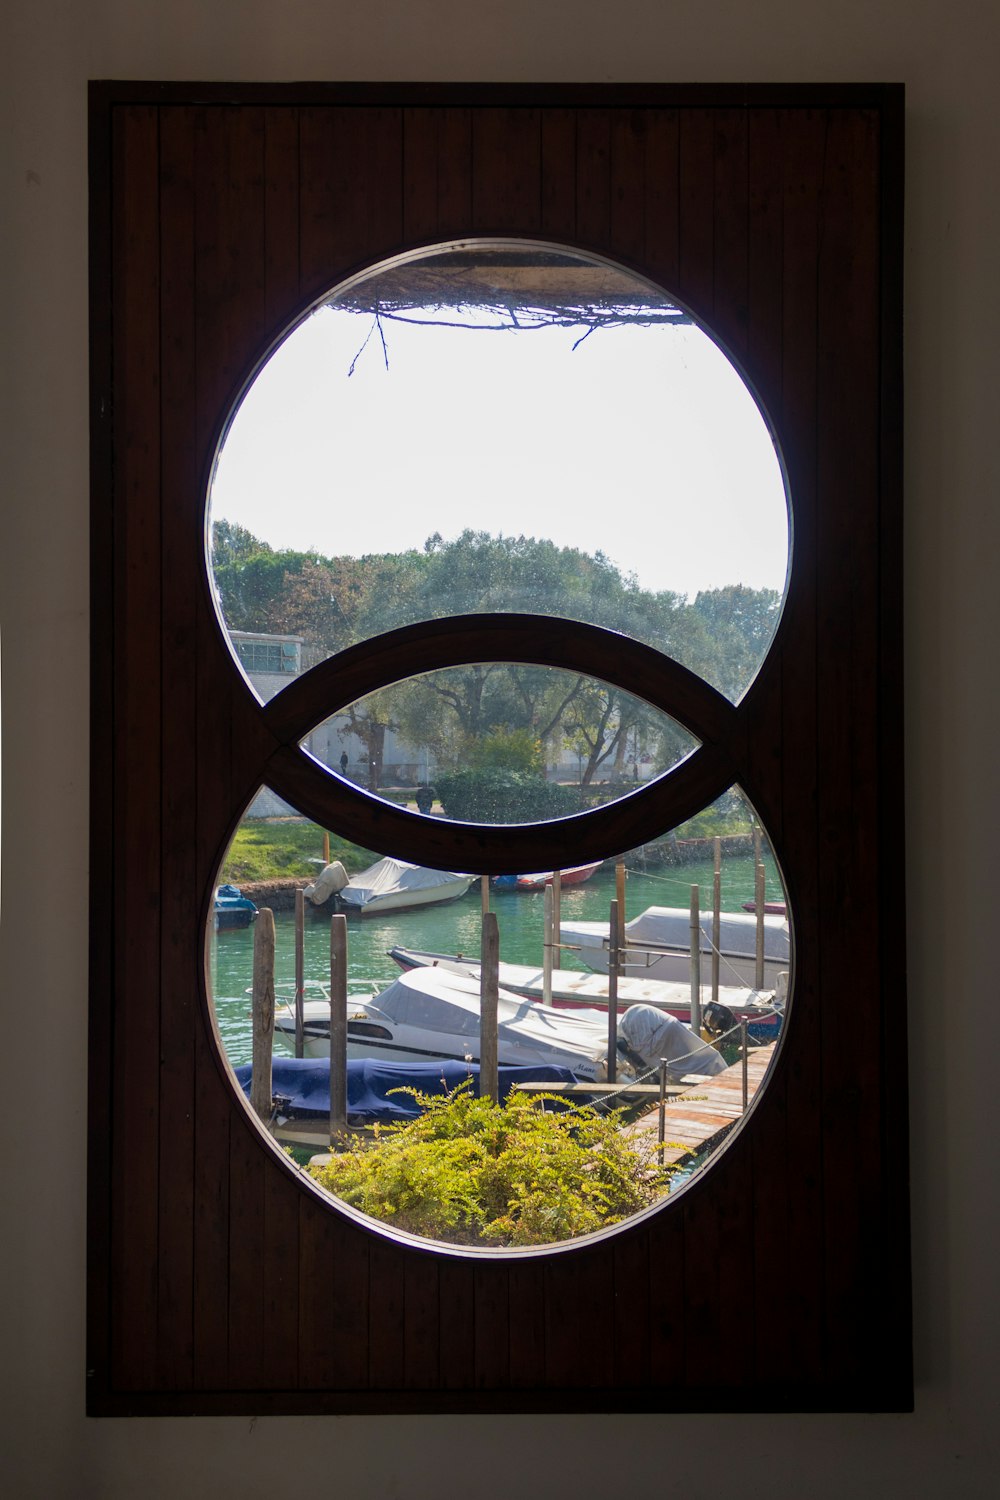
(388, 885)
(434, 1014)
(659, 943)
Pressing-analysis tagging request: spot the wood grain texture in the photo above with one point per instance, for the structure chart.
(219, 1280)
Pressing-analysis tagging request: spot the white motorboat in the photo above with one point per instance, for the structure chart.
(576, 988)
(659, 946)
(388, 885)
(431, 1013)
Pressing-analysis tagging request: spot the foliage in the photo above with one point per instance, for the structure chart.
(468, 1170)
(282, 848)
(494, 795)
(507, 750)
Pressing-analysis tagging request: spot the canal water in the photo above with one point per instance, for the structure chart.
(455, 928)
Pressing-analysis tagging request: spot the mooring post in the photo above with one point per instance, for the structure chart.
(489, 1000)
(300, 970)
(759, 903)
(662, 1132)
(614, 960)
(696, 960)
(556, 919)
(716, 917)
(548, 938)
(745, 1049)
(263, 1013)
(326, 848)
(338, 1028)
(484, 892)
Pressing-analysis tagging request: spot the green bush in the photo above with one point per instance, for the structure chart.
(496, 795)
(470, 1171)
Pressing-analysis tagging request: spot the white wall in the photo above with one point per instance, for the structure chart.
(946, 53)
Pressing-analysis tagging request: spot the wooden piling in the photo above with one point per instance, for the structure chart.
(338, 1028)
(300, 970)
(484, 892)
(489, 1000)
(696, 960)
(263, 1013)
(326, 848)
(614, 964)
(556, 916)
(548, 940)
(716, 918)
(759, 903)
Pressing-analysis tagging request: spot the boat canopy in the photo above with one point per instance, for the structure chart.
(438, 1000)
(389, 876)
(670, 927)
(302, 1084)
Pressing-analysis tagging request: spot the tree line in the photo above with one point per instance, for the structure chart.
(495, 716)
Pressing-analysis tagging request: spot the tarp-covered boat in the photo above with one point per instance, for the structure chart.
(660, 940)
(300, 1086)
(388, 885)
(232, 908)
(431, 1013)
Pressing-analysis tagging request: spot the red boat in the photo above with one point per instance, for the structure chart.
(538, 881)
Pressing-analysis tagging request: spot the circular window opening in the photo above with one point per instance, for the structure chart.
(498, 426)
(575, 1144)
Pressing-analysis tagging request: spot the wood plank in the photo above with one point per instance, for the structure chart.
(421, 1322)
(730, 250)
(593, 178)
(280, 1292)
(281, 217)
(181, 565)
(506, 181)
(437, 174)
(491, 1315)
(696, 222)
(334, 1283)
(661, 214)
(351, 165)
(135, 894)
(627, 189)
(558, 174)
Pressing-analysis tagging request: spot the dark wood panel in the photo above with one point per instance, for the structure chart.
(226, 1273)
(437, 174)
(179, 960)
(696, 211)
(730, 237)
(136, 750)
(801, 143)
(847, 535)
(351, 168)
(506, 171)
(281, 216)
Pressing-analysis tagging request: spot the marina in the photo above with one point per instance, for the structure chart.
(455, 928)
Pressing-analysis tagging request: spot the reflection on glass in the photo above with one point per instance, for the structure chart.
(495, 742)
(414, 999)
(495, 427)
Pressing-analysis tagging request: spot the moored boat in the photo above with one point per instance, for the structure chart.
(387, 885)
(432, 1014)
(231, 909)
(576, 875)
(574, 988)
(658, 944)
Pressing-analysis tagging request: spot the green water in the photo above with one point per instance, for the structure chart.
(455, 928)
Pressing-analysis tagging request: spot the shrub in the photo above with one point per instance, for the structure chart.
(496, 795)
(471, 1171)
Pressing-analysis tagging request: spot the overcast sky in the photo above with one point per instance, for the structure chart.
(642, 442)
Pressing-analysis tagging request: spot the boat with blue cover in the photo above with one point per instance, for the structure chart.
(233, 909)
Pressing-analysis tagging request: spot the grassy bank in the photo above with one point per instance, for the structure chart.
(284, 849)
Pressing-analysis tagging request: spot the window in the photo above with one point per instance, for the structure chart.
(774, 215)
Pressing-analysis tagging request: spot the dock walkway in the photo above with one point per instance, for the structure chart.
(696, 1118)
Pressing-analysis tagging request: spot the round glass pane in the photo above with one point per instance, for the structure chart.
(412, 951)
(499, 426)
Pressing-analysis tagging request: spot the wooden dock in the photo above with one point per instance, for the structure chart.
(697, 1117)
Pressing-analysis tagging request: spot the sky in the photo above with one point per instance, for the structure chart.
(642, 442)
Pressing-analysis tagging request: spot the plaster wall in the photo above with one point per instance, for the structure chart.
(946, 55)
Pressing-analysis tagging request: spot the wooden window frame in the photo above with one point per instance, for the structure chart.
(217, 1281)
